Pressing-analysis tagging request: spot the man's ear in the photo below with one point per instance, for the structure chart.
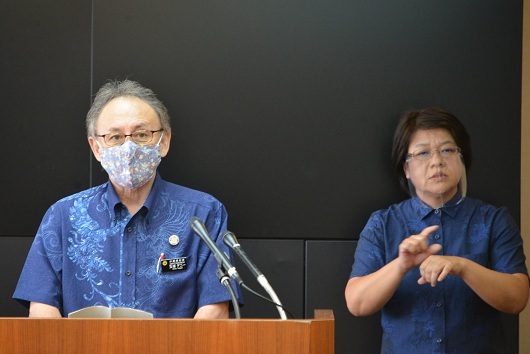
(164, 143)
(95, 147)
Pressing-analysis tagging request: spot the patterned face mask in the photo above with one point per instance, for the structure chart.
(131, 165)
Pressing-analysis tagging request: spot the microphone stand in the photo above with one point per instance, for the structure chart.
(231, 241)
(268, 288)
(225, 280)
(223, 262)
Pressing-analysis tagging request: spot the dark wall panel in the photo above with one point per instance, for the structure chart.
(284, 110)
(328, 267)
(45, 71)
(282, 263)
(13, 252)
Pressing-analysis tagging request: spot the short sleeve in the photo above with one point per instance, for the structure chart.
(40, 280)
(370, 251)
(507, 254)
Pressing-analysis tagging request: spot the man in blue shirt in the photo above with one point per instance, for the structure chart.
(441, 266)
(128, 242)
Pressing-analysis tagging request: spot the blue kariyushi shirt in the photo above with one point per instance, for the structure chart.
(448, 318)
(90, 251)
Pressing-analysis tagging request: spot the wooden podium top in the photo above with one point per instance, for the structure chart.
(267, 336)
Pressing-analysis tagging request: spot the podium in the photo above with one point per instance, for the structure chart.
(231, 336)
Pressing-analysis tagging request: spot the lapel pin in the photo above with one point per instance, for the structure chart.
(174, 240)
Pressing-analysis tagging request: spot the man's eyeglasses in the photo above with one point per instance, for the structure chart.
(139, 137)
(424, 155)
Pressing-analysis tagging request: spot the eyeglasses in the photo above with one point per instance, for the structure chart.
(140, 137)
(424, 155)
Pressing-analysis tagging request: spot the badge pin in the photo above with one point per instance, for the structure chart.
(175, 264)
(174, 240)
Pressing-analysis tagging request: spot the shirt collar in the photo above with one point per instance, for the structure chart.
(113, 200)
(450, 208)
(153, 194)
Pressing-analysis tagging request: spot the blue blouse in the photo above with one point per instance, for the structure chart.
(90, 251)
(448, 318)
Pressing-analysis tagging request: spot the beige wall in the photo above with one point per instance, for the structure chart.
(524, 318)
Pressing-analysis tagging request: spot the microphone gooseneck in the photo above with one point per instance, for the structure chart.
(222, 259)
(198, 226)
(231, 241)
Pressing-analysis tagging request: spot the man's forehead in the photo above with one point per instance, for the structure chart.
(130, 112)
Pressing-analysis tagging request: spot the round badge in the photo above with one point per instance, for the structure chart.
(173, 240)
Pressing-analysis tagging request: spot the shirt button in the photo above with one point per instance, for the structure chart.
(436, 211)
(439, 340)
(439, 304)
(129, 229)
(437, 237)
(128, 273)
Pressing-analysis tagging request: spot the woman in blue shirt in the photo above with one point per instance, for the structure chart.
(441, 266)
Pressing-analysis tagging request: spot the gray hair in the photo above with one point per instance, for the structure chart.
(115, 89)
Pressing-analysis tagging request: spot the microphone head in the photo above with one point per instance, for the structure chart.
(198, 226)
(194, 220)
(230, 239)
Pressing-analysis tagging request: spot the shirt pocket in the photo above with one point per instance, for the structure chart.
(176, 286)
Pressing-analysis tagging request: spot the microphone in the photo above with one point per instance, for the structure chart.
(198, 227)
(231, 241)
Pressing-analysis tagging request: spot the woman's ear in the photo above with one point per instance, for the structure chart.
(406, 169)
